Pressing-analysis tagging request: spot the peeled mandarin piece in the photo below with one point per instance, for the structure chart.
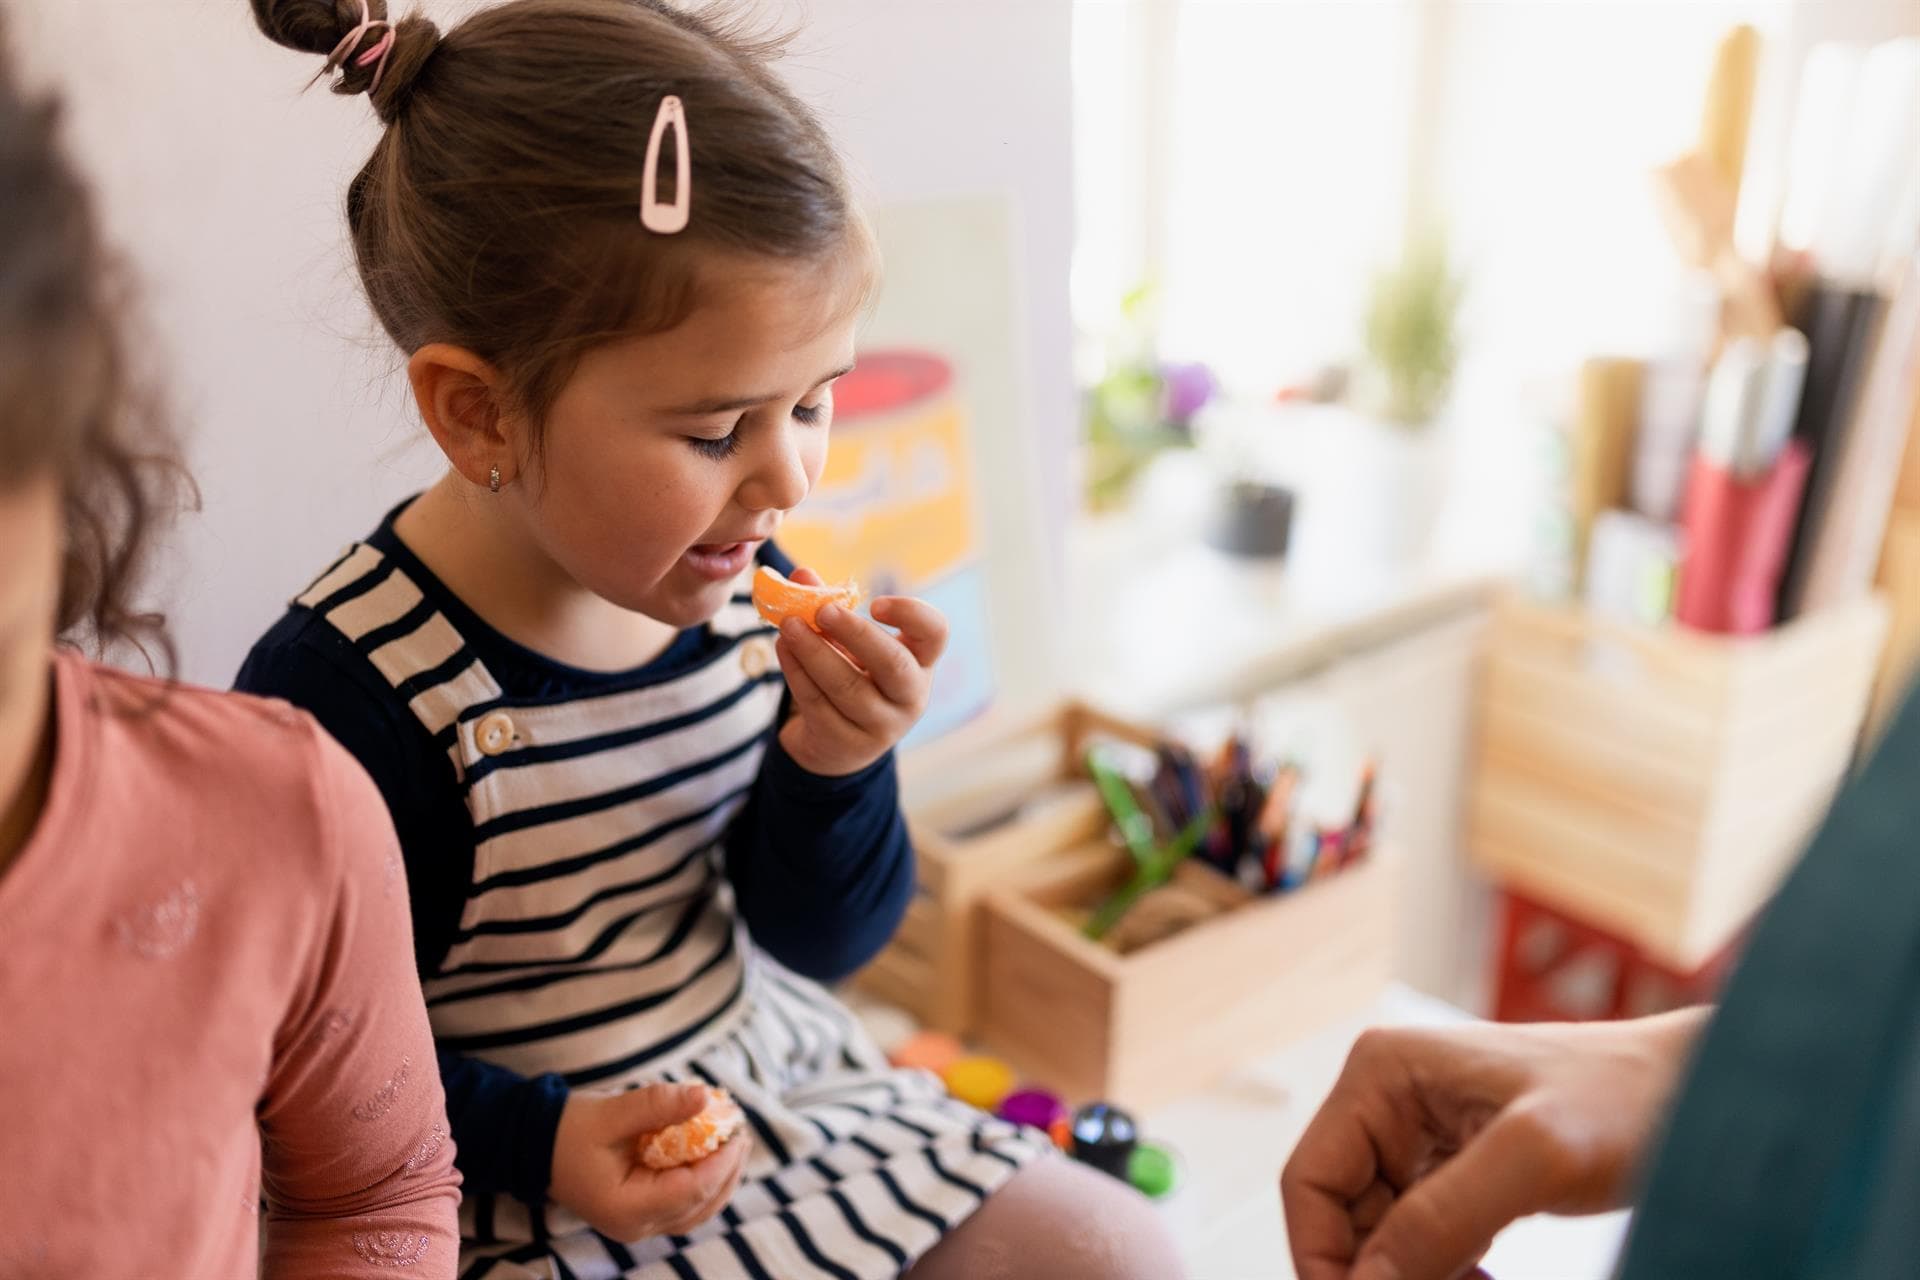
(777, 597)
(696, 1138)
(979, 1082)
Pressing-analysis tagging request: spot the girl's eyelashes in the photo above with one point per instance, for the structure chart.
(717, 447)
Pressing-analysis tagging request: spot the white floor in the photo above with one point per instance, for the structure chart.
(1233, 1138)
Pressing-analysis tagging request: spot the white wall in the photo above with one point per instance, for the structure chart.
(1808, 23)
(937, 99)
(224, 183)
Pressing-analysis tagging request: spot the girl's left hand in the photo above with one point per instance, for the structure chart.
(857, 688)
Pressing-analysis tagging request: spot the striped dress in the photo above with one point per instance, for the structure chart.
(598, 940)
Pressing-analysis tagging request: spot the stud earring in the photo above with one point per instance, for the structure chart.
(493, 480)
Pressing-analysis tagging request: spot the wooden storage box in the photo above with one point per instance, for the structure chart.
(1657, 783)
(1181, 1013)
(1004, 800)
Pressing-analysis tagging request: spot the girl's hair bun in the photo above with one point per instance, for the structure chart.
(320, 26)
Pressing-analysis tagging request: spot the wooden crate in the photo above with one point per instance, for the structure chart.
(1180, 1014)
(1657, 783)
(972, 837)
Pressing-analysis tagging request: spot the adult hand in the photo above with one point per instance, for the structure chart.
(1432, 1141)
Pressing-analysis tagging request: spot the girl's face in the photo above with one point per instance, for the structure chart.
(668, 459)
(31, 530)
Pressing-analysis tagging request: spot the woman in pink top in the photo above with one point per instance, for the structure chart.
(207, 996)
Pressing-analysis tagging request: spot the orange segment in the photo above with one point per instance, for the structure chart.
(778, 597)
(694, 1139)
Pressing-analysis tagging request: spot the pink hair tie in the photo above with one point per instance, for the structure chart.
(376, 53)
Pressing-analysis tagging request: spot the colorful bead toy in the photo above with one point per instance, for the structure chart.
(979, 1082)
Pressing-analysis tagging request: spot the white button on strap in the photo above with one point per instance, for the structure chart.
(756, 657)
(494, 733)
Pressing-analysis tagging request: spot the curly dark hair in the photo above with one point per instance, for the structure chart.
(71, 402)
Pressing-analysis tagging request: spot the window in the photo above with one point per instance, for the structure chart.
(1258, 159)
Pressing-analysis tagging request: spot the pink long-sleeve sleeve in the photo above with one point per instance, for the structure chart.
(358, 1168)
(207, 992)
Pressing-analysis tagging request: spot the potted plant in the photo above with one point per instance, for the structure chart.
(1411, 337)
(1139, 407)
(1411, 350)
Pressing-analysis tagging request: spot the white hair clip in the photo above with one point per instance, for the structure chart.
(667, 219)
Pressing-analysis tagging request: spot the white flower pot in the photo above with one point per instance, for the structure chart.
(1390, 480)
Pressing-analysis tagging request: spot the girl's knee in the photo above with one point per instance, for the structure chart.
(1057, 1220)
(1101, 1227)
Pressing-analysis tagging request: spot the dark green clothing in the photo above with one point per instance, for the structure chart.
(1794, 1144)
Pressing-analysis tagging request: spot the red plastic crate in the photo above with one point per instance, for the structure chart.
(1553, 968)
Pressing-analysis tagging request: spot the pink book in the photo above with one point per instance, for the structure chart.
(1737, 535)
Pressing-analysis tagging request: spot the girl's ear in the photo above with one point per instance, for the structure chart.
(465, 404)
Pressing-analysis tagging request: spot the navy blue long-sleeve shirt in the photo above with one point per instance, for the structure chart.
(821, 868)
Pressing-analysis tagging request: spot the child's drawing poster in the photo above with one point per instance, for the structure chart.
(936, 401)
(894, 510)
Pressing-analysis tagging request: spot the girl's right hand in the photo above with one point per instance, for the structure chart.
(597, 1171)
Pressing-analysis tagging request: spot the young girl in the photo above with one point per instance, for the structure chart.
(624, 266)
(204, 984)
